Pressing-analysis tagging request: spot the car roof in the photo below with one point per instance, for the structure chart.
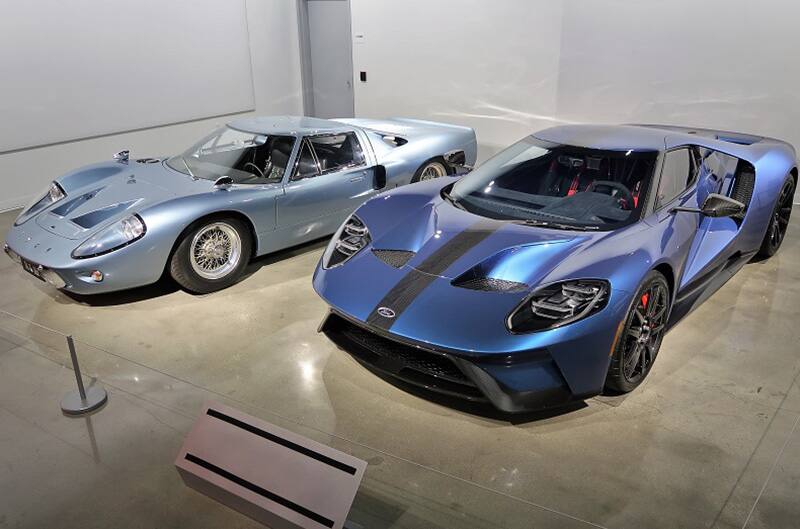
(290, 125)
(660, 137)
(607, 137)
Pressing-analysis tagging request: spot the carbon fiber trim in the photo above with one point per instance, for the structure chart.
(394, 258)
(490, 284)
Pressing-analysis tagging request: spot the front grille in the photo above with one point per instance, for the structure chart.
(428, 369)
(395, 258)
(490, 284)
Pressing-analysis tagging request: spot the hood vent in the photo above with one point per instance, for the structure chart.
(490, 284)
(394, 258)
(148, 160)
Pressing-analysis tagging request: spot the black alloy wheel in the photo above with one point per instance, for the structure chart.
(640, 339)
(779, 221)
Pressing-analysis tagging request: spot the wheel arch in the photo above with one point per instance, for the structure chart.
(669, 274)
(215, 215)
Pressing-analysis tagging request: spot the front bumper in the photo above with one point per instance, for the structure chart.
(47, 257)
(524, 381)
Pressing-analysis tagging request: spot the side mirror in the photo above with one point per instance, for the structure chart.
(122, 156)
(717, 205)
(380, 177)
(223, 182)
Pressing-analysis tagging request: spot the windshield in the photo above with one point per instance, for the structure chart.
(246, 157)
(559, 186)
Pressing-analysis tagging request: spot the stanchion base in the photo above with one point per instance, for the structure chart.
(73, 404)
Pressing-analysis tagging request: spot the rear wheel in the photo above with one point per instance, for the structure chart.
(640, 339)
(212, 255)
(779, 221)
(433, 168)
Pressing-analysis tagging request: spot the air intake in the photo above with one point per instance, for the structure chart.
(490, 284)
(394, 258)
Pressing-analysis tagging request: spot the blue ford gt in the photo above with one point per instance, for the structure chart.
(552, 272)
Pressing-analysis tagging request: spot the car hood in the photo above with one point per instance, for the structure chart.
(100, 194)
(454, 244)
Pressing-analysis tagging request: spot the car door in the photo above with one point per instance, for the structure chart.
(677, 186)
(329, 180)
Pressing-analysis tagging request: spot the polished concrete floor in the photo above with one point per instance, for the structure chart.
(710, 440)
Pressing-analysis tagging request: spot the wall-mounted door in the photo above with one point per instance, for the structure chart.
(328, 58)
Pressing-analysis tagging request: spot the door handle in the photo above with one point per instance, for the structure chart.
(357, 179)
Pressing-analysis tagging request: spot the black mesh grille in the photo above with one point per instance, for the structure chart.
(428, 369)
(743, 189)
(490, 284)
(395, 258)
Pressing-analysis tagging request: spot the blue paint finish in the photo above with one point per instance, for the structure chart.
(523, 371)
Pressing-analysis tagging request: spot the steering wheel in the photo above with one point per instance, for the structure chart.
(254, 166)
(624, 197)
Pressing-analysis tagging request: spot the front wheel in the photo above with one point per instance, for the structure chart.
(212, 255)
(779, 221)
(640, 339)
(434, 168)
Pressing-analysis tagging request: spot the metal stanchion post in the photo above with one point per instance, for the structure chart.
(81, 401)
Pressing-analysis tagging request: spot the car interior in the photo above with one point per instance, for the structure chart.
(591, 187)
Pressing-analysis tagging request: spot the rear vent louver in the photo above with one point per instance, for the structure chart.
(394, 258)
(490, 284)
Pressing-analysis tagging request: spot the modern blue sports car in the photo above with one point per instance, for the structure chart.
(257, 185)
(553, 271)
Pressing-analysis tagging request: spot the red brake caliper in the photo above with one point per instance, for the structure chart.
(645, 297)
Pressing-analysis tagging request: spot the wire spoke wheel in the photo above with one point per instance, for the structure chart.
(644, 332)
(215, 251)
(433, 170)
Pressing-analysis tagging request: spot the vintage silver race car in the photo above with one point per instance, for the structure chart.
(249, 188)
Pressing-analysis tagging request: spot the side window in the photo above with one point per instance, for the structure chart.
(306, 163)
(678, 173)
(722, 166)
(337, 151)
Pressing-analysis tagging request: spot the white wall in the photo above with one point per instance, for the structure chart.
(511, 67)
(492, 65)
(274, 83)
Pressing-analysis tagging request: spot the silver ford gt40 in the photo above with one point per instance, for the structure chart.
(249, 188)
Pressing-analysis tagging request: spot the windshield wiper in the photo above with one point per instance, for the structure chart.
(453, 201)
(558, 225)
(188, 168)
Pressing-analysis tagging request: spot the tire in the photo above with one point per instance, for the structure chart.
(643, 331)
(433, 168)
(212, 255)
(778, 221)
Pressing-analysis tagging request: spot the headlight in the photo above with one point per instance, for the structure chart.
(559, 304)
(352, 237)
(116, 236)
(53, 194)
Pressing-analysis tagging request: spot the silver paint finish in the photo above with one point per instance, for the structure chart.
(280, 215)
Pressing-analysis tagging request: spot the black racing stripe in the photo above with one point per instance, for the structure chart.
(419, 278)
